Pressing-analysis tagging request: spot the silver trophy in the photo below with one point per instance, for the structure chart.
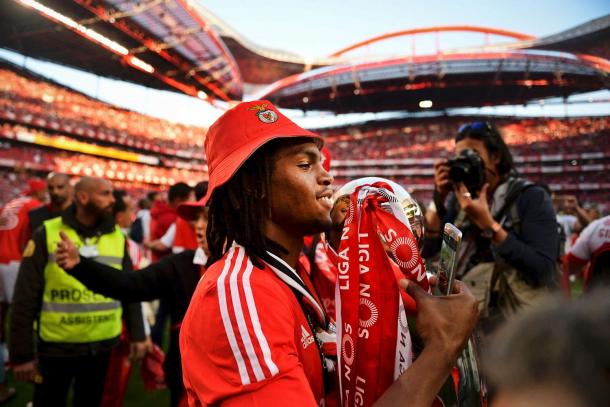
(409, 205)
(472, 391)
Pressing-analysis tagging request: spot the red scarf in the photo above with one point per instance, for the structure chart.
(372, 330)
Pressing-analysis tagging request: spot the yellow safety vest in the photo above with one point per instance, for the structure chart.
(71, 313)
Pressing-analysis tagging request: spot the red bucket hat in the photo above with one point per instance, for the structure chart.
(34, 185)
(234, 137)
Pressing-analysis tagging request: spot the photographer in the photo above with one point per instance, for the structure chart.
(510, 240)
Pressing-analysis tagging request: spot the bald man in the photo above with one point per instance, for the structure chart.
(76, 328)
(60, 197)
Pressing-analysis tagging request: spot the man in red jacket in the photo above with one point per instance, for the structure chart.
(163, 214)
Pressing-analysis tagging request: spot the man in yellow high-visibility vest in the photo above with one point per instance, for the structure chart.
(76, 328)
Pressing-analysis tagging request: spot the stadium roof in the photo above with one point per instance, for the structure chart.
(258, 64)
(179, 45)
(439, 82)
(159, 44)
(262, 65)
(591, 38)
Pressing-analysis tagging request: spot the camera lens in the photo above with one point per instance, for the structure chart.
(467, 167)
(458, 172)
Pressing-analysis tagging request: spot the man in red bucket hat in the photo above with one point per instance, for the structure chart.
(255, 332)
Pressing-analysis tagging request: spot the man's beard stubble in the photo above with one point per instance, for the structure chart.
(57, 200)
(98, 212)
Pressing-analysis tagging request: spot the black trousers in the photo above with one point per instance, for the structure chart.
(88, 373)
(173, 369)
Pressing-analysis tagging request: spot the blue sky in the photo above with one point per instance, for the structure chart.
(318, 28)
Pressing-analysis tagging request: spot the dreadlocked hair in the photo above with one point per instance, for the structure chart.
(239, 208)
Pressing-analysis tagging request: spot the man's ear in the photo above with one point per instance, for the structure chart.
(495, 158)
(82, 197)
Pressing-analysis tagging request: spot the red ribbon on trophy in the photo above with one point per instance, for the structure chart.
(372, 330)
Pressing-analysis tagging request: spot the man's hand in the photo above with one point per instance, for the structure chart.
(442, 183)
(444, 323)
(26, 372)
(66, 255)
(137, 350)
(156, 245)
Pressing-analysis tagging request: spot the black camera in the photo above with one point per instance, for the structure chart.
(468, 168)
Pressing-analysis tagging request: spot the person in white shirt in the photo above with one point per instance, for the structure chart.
(593, 248)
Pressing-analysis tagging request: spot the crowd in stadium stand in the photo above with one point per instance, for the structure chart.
(26, 99)
(557, 152)
(544, 135)
(80, 164)
(11, 184)
(30, 104)
(12, 131)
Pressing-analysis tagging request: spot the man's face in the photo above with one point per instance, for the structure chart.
(125, 218)
(200, 224)
(60, 190)
(98, 200)
(570, 203)
(301, 197)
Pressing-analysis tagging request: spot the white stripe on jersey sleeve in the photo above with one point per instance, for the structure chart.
(224, 312)
(239, 315)
(262, 340)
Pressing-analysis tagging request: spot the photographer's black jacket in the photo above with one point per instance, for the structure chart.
(533, 251)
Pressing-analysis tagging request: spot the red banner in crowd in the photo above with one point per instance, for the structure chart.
(373, 335)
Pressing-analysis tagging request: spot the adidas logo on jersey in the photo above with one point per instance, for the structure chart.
(306, 338)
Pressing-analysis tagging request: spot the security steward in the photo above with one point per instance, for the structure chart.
(76, 328)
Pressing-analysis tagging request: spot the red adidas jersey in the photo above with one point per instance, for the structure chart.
(246, 341)
(592, 242)
(14, 227)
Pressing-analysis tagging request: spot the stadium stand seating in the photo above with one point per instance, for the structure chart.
(29, 100)
(572, 155)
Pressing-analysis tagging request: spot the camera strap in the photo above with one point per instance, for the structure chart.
(507, 212)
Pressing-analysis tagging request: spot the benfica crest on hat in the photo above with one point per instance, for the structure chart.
(264, 115)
